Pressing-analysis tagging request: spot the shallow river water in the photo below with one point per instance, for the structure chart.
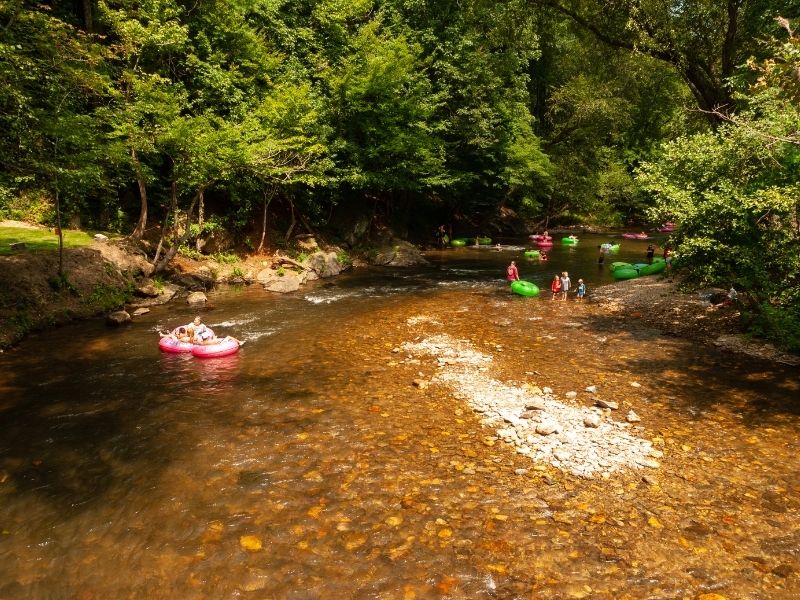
(338, 456)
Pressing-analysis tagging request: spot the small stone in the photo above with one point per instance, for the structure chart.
(591, 389)
(100, 237)
(140, 311)
(648, 462)
(571, 395)
(546, 428)
(656, 453)
(530, 414)
(606, 404)
(420, 383)
(636, 384)
(395, 350)
(632, 417)
(592, 420)
(520, 472)
(649, 480)
(547, 390)
(535, 404)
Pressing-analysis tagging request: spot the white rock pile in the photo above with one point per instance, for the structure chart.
(576, 439)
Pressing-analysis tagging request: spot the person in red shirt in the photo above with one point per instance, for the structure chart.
(555, 286)
(512, 273)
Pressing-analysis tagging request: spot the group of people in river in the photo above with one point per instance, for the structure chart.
(197, 332)
(560, 286)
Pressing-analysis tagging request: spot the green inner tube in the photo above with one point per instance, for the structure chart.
(458, 242)
(657, 267)
(625, 273)
(614, 248)
(620, 265)
(484, 241)
(524, 288)
(532, 253)
(569, 240)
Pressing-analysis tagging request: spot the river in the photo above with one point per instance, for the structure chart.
(337, 455)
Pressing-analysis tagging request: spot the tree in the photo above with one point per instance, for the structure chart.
(703, 40)
(735, 195)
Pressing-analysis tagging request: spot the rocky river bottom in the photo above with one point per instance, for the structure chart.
(462, 443)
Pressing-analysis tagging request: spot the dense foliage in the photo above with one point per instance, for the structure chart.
(251, 116)
(736, 193)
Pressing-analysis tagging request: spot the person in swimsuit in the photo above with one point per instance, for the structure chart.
(512, 273)
(555, 286)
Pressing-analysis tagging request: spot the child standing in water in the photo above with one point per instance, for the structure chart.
(565, 285)
(581, 289)
(555, 286)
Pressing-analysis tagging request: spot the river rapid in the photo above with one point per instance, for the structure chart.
(354, 448)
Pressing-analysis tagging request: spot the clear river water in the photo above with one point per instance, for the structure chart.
(328, 460)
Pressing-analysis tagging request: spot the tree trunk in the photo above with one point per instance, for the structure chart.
(294, 220)
(201, 209)
(60, 238)
(87, 7)
(138, 231)
(268, 196)
(173, 209)
(173, 249)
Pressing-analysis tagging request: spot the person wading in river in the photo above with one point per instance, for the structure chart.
(512, 273)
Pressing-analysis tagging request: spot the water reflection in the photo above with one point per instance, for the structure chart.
(310, 465)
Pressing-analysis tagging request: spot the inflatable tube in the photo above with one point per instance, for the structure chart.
(170, 344)
(620, 265)
(625, 273)
(222, 348)
(544, 244)
(458, 242)
(532, 253)
(539, 237)
(524, 288)
(614, 248)
(635, 236)
(656, 267)
(484, 241)
(569, 240)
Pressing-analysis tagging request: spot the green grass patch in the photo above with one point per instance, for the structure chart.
(40, 239)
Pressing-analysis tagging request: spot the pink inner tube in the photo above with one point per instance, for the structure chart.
(548, 243)
(170, 344)
(539, 237)
(223, 348)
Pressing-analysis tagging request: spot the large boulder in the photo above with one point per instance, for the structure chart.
(281, 280)
(201, 279)
(324, 264)
(399, 254)
(117, 318)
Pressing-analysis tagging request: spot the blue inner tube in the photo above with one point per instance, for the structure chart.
(524, 288)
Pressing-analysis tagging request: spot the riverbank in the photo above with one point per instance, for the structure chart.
(659, 303)
(104, 275)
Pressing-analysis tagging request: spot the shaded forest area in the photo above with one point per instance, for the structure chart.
(252, 121)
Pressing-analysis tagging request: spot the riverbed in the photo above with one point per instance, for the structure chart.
(377, 437)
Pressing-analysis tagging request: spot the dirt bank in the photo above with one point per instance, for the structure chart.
(659, 303)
